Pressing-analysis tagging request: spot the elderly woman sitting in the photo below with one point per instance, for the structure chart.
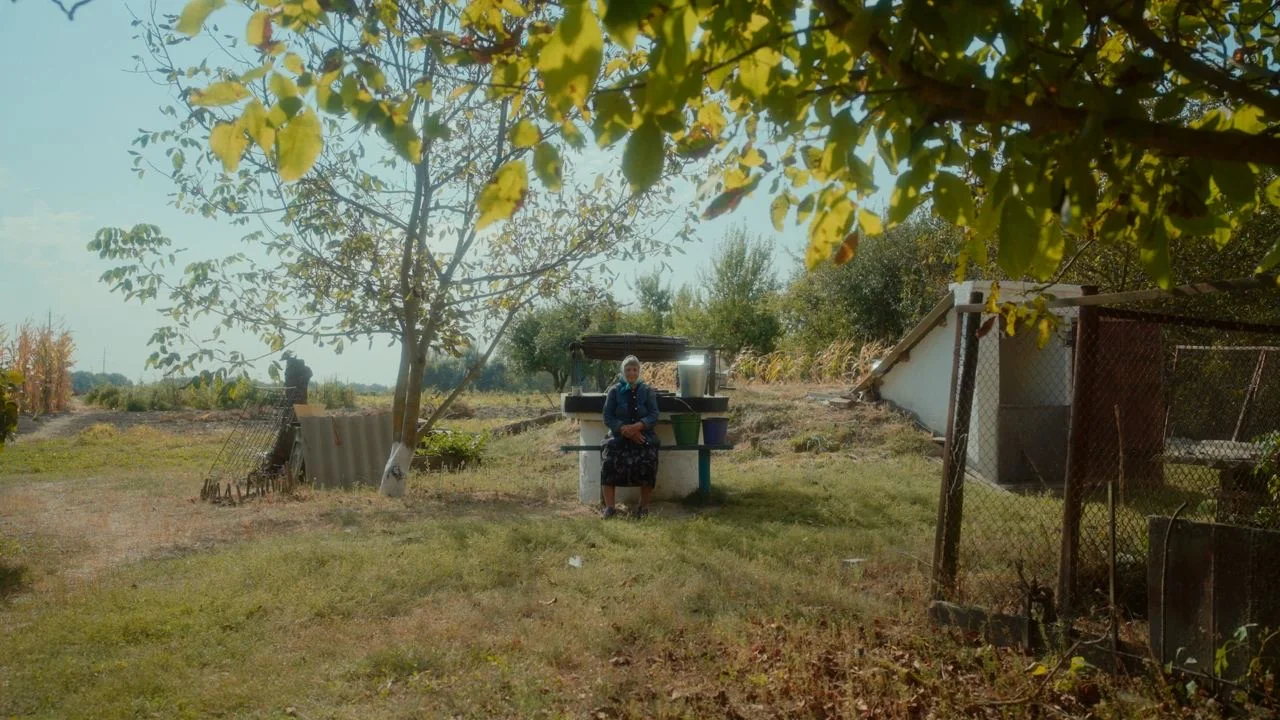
(629, 455)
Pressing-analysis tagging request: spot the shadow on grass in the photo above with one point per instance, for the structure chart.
(13, 579)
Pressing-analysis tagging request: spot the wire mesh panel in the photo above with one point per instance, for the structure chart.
(1076, 438)
(1016, 466)
(247, 464)
(1178, 421)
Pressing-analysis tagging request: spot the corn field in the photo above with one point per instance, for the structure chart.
(42, 356)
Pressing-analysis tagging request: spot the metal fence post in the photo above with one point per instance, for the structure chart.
(1083, 371)
(964, 367)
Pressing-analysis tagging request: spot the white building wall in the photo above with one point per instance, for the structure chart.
(920, 384)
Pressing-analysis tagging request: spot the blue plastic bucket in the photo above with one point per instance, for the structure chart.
(715, 431)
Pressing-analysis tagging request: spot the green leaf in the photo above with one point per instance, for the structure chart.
(908, 193)
(1273, 192)
(406, 142)
(614, 117)
(1019, 236)
(195, 13)
(1153, 255)
(643, 156)
(298, 146)
(228, 142)
(219, 93)
(953, 200)
(423, 88)
(622, 19)
(570, 61)
(1235, 181)
(503, 195)
(1271, 260)
(778, 210)
(726, 201)
(547, 165)
(525, 134)
(805, 208)
(282, 87)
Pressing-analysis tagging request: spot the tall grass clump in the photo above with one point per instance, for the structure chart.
(334, 395)
(42, 357)
(214, 393)
(841, 362)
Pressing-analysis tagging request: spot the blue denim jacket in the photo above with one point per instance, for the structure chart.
(617, 413)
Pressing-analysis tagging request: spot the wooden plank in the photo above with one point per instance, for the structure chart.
(956, 454)
(661, 448)
(1255, 282)
(903, 349)
(1084, 362)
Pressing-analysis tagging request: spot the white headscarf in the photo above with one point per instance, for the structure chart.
(623, 368)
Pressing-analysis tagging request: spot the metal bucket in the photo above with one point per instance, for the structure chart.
(691, 376)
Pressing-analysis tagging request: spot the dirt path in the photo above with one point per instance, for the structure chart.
(80, 416)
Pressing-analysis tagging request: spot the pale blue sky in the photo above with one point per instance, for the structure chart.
(71, 108)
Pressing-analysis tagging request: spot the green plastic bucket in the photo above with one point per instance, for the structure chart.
(686, 427)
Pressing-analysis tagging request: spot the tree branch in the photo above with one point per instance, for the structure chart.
(1182, 61)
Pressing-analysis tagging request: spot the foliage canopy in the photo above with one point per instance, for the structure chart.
(1034, 125)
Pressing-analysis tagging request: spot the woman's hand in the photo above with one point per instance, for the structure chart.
(634, 432)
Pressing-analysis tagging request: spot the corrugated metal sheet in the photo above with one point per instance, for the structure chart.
(343, 451)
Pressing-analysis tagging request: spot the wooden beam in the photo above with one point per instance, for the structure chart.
(902, 351)
(1255, 282)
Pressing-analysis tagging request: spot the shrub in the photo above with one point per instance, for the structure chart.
(135, 403)
(450, 450)
(334, 395)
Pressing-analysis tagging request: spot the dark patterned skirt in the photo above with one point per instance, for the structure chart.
(628, 464)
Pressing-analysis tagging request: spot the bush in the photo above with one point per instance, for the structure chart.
(135, 403)
(334, 395)
(449, 450)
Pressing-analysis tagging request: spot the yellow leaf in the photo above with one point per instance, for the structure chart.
(282, 86)
(423, 88)
(298, 145)
(525, 134)
(570, 61)
(513, 8)
(827, 228)
(219, 93)
(293, 63)
(1248, 119)
(228, 142)
(258, 31)
(503, 195)
(869, 222)
(195, 13)
(255, 123)
(1045, 331)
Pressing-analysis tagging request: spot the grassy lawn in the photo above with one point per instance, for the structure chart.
(127, 599)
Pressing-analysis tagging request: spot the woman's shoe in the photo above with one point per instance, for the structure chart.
(609, 512)
(641, 513)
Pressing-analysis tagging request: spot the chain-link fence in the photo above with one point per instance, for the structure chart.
(1125, 412)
